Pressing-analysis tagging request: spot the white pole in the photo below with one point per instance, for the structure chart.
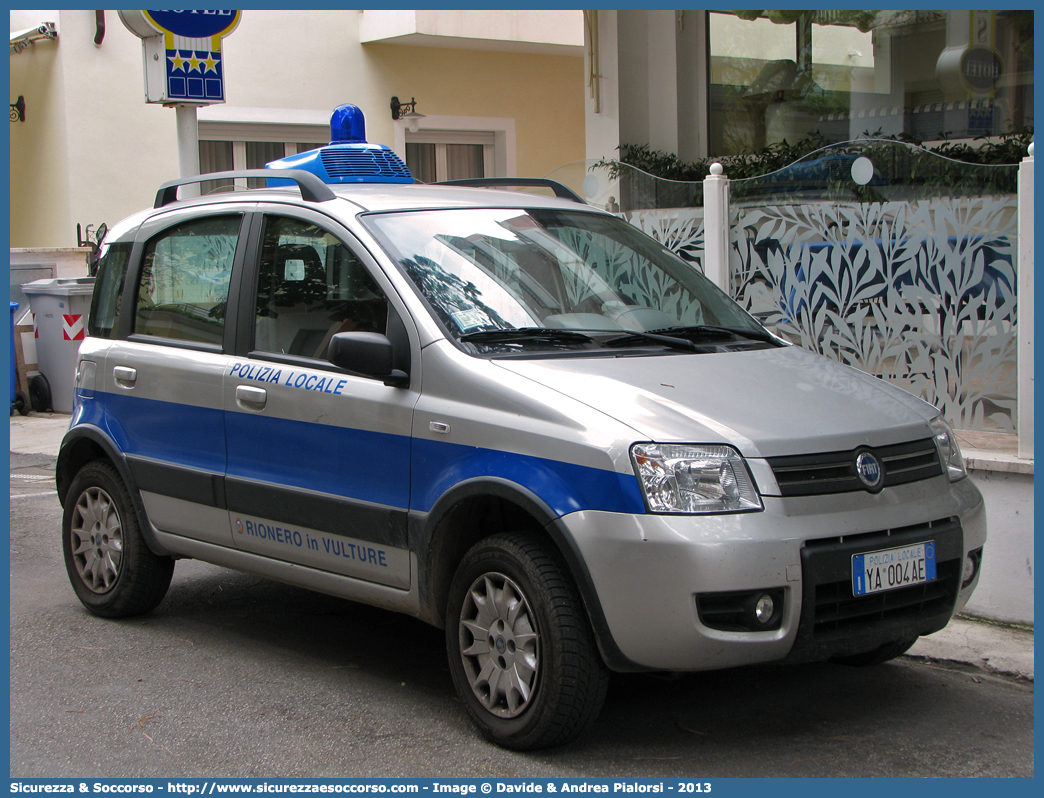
(1025, 325)
(188, 147)
(716, 227)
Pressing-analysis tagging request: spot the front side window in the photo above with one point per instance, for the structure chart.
(487, 271)
(311, 286)
(185, 275)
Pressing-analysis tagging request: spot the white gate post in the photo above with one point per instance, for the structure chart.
(1025, 307)
(716, 228)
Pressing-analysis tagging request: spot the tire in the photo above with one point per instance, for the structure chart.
(879, 655)
(539, 681)
(40, 393)
(112, 570)
(22, 404)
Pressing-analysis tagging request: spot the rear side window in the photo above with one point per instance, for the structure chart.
(108, 290)
(184, 280)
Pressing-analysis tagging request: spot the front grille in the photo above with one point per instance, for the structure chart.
(357, 162)
(834, 622)
(837, 610)
(835, 472)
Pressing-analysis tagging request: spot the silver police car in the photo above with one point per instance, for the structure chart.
(515, 417)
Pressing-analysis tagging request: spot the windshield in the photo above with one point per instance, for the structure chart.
(487, 272)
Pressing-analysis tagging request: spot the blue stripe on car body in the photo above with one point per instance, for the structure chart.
(168, 431)
(329, 459)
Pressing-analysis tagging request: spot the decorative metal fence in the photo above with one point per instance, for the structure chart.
(880, 255)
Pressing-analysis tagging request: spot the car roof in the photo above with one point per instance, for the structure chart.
(392, 197)
(364, 197)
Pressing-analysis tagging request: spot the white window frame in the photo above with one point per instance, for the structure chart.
(440, 138)
(496, 134)
(263, 124)
(293, 139)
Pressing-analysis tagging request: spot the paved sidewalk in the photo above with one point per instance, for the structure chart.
(39, 433)
(994, 648)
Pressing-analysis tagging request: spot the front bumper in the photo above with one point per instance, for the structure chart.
(647, 571)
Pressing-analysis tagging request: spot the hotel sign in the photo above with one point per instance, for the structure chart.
(184, 63)
(981, 68)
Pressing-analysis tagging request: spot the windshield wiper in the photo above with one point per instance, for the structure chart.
(666, 340)
(518, 334)
(705, 330)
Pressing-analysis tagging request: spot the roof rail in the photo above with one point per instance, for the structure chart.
(312, 188)
(492, 182)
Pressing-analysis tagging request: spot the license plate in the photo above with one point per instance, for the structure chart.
(888, 569)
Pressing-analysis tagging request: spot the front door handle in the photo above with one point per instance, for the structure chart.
(251, 398)
(125, 375)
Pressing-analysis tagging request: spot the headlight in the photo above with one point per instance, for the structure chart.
(949, 451)
(678, 478)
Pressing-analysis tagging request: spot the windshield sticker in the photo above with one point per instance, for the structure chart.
(302, 380)
(470, 319)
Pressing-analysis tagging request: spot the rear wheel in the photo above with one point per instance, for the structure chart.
(522, 655)
(40, 394)
(879, 655)
(112, 570)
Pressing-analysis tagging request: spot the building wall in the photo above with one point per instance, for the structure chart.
(543, 93)
(38, 145)
(547, 30)
(93, 151)
(1005, 589)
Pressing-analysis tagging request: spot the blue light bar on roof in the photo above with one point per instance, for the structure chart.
(348, 158)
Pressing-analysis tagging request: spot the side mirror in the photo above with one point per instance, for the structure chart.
(368, 354)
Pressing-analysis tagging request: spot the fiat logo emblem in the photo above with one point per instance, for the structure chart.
(870, 472)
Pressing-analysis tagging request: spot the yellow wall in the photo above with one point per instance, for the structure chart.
(544, 94)
(93, 151)
(39, 184)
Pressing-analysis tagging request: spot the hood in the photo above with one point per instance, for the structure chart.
(766, 402)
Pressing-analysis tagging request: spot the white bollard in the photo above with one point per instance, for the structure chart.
(1025, 325)
(716, 227)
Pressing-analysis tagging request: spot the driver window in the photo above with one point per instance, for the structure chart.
(310, 287)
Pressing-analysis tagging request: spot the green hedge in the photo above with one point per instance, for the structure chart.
(916, 165)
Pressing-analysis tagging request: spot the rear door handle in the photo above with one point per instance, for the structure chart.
(124, 375)
(251, 398)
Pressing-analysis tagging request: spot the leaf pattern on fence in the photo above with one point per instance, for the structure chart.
(678, 229)
(921, 294)
(627, 274)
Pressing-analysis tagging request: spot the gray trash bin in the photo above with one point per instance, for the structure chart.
(60, 316)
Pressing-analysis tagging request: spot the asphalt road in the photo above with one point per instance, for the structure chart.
(236, 676)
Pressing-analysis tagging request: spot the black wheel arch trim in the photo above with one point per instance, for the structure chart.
(422, 535)
(66, 468)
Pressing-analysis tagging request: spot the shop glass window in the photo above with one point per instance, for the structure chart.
(846, 74)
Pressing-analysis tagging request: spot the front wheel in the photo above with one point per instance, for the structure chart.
(112, 570)
(521, 653)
